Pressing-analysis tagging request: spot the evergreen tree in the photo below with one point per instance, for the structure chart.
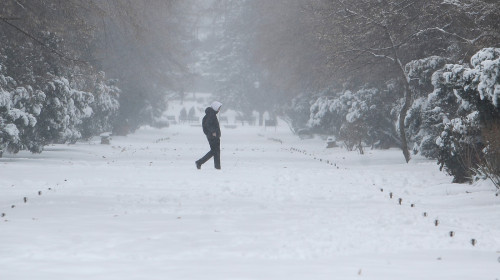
(454, 118)
(183, 115)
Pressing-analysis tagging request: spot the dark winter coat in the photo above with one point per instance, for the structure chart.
(210, 124)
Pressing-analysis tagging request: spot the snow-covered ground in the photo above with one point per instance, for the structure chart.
(280, 208)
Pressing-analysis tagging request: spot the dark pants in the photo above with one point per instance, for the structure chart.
(214, 152)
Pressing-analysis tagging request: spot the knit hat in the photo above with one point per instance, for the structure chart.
(216, 105)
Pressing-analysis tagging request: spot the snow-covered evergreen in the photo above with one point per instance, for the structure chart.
(454, 105)
(485, 75)
(104, 107)
(19, 108)
(59, 113)
(64, 111)
(453, 117)
(355, 117)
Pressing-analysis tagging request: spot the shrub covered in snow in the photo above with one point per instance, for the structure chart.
(297, 112)
(489, 167)
(450, 123)
(64, 110)
(459, 147)
(29, 103)
(104, 107)
(454, 116)
(58, 113)
(362, 116)
(420, 73)
(19, 107)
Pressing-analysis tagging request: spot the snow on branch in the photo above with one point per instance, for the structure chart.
(371, 52)
(439, 29)
(354, 13)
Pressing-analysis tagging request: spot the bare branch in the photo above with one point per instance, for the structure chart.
(19, 4)
(439, 29)
(367, 51)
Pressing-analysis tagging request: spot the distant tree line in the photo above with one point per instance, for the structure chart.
(71, 69)
(423, 76)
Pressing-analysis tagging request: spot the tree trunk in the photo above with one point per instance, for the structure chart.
(407, 95)
(402, 117)
(261, 118)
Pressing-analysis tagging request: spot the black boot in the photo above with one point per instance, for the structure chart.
(198, 165)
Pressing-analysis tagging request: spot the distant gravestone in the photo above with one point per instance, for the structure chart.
(244, 119)
(105, 138)
(193, 119)
(330, 142)
(171, 119)
(271, 122)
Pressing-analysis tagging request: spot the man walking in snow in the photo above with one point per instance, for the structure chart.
(212, 131)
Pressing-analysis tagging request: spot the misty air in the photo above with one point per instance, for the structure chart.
(249, 139)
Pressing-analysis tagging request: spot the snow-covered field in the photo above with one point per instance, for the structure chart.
(280, 208)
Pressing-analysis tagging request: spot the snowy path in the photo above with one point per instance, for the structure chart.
(139, 209)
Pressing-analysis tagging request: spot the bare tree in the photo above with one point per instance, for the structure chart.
(372, 41)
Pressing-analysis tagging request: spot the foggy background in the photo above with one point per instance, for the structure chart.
(360, 71)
